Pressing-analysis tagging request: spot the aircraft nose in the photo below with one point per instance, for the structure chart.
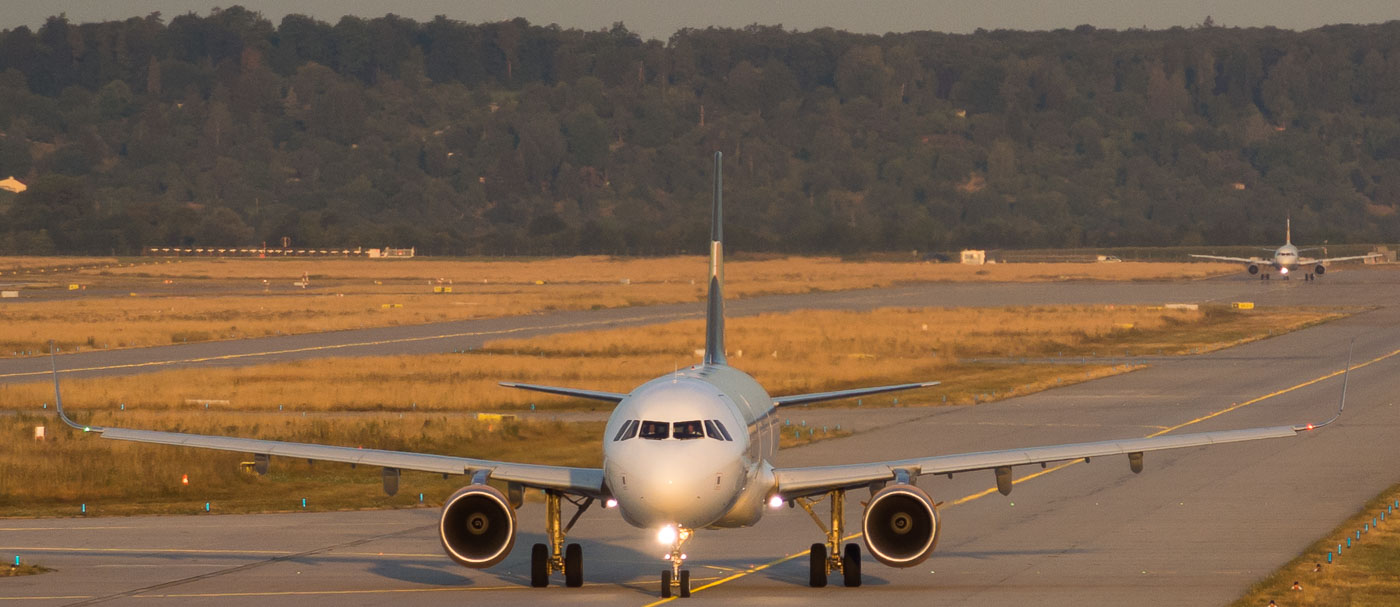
(674, 488)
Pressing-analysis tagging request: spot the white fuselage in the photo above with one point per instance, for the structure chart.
(692, 449)
(1286, 259)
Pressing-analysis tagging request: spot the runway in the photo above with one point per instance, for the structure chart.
(1197, 527)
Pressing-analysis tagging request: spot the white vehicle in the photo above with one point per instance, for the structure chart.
(692, 450)
(1286, 259)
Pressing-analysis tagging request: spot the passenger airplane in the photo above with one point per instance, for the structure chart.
(693, 450)
(1286, 259)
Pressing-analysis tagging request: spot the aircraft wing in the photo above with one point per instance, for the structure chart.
(1234, 259)
(802, 399)
(1332, 259)
(797, 482)
(611, 397)
(581, 481)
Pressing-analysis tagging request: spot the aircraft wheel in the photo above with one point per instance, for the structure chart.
(818, 566)
(539, 566)
(685, 583)
(573, 566)
(666, 584)
(850, 565)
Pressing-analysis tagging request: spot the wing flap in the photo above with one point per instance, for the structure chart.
(816, 479)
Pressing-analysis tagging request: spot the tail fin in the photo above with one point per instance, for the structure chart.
(714, 310)
(1288, 230)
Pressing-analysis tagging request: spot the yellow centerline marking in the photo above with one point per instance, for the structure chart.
(989, 491)
(397, 340)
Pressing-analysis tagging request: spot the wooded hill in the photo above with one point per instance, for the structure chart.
(512, 138)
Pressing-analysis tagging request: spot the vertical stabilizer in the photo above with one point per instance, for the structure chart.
(714, 306)
(1288, 230)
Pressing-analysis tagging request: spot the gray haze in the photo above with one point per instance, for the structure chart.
(660, 18)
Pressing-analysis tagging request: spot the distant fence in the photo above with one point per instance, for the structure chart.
(264, 252)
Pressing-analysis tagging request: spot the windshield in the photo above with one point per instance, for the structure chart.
(689, 430)
(655, 430)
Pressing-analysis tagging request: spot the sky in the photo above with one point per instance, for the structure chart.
(661, 18)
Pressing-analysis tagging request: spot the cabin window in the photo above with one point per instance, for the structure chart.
(688, 430)
(655, 430)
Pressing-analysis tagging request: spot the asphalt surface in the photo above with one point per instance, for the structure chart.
(1197, 527)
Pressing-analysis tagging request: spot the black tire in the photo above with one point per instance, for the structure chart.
(685, 584)
(818, 566)
(666, 584)
(573, 565)
(850, 565)
(539, 566)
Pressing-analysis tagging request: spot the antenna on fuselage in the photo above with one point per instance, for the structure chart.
(714, 308)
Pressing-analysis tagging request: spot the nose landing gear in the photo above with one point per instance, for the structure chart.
(675, 576)
(829, 556)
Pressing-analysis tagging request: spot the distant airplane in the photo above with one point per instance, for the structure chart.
(693, 450)
(1286, 259)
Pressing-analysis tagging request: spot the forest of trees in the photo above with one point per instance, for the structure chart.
(511, 138)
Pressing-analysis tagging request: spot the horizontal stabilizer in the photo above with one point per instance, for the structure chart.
(802, 399)
(612, 397)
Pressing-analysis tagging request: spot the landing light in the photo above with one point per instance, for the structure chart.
(667, 535)
(1283, 271)
(775, 502)
(611, 503)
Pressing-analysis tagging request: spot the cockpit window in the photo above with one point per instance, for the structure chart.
(628, 430)
(711, 431)
(655, 430)
(688, 430)
(722, 431)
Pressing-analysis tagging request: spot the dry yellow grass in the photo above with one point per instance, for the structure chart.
(805, 351)
(210, 299)
(11, 265)
(1368, 574)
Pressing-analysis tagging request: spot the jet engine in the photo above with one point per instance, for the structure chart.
(1253, 269)
(1320, 270)
(477, 527)
(901, 526)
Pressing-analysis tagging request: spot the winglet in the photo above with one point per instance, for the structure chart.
(1342, 405)
(714, 311)
(58, 398)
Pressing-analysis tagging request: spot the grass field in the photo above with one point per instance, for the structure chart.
(423, 402)
(1368, 574)
(157, 302)
(806, 351)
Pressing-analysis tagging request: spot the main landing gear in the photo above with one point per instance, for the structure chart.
(556, 557)
(829, 556)
(675, 576)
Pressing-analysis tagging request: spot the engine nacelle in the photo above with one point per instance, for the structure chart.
(477, 526)
(1320, 270)
(901, 526)
(1253, 269)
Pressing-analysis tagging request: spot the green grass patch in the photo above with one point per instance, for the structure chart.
(1367, 574)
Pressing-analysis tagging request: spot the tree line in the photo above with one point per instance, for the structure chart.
(513, 138)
